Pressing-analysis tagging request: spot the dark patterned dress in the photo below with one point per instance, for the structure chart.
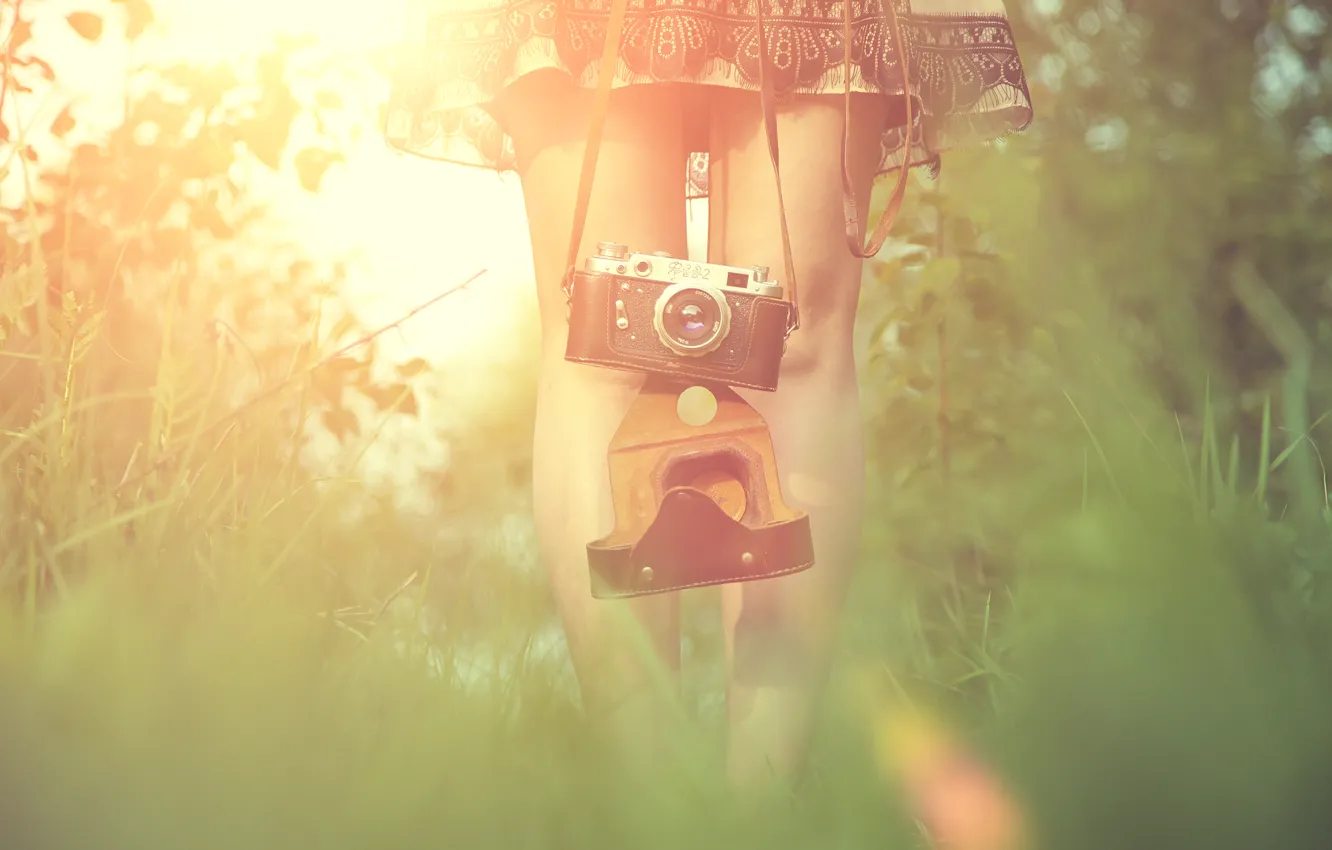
(964, 67)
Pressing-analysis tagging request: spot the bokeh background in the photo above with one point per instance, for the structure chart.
(266, 559)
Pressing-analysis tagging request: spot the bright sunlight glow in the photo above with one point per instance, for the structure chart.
(218, 30)
(406, 215)
(409, 228)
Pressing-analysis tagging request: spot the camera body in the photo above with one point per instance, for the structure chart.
(692, 321)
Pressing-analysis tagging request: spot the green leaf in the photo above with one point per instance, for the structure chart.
(138, 16)
(408, 405)
(19, 34)
(344, 365)
(86, 24)
(312, 163)
(939, 274)
(341, 423)
(266, 140)
(62, 124)
(413, 367)
(396, 397)
(266, 135)
(344, 326)
(206, 214)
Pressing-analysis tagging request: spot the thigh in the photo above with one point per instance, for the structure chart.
(637, 193)
(743, 215)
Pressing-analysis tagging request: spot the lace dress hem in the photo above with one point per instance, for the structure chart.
(966, 77)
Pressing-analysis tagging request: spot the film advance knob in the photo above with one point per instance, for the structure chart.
(613, 250)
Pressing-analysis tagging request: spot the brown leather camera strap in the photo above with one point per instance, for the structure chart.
(889, 215)
(610, 53)
(854, 239)
(770, 125)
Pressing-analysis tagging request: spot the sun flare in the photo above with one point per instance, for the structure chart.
(411, 227)
(415, 227)
(218, 30)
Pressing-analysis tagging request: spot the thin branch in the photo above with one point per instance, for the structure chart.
(9, 56)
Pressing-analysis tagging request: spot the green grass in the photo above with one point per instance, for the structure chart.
(196, 651)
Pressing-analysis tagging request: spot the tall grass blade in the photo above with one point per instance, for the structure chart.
(1264, 453)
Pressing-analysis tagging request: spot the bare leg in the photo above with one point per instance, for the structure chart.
(626, 654)
(814, 416)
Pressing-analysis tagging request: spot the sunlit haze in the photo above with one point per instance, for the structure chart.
(410, 228)
(224, 29)
(407, 215)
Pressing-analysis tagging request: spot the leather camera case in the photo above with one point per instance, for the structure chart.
(671, 529)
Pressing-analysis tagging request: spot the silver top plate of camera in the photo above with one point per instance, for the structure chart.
(614, 258)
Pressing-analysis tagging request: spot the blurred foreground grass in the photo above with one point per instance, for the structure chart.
(205, 652)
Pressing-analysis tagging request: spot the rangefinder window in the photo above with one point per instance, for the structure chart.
(738, 279)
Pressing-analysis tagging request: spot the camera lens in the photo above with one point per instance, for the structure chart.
(692, 320)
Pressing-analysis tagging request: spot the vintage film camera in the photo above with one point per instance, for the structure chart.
(699, 322)
(697, 495)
